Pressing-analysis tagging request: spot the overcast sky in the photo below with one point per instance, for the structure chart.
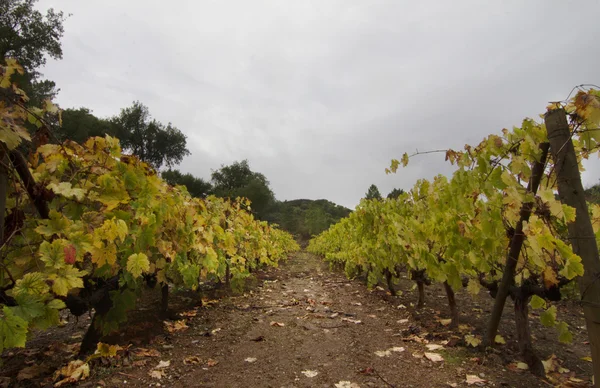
(320, 95)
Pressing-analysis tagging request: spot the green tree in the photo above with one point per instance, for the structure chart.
(373, 193)
(316, 219)
(197, 187)
(148, 139)
(395, 193)
(306, 217)
(238, 180)
(30, 37)
(80, 124)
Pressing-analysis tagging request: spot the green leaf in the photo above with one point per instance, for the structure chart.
(13, 330)
(211, 260)
(190, 274)
(537, 302)
(548, 317)
(572, 267)
(473, 287)
(53, 254)
(48, 319)
(66, 189)
(137, 264)
(569, 213)
(57, 224)
(32, 283)
(67, 279)
(564, 335)
(57, 304)
(29, 306)
(404, 160)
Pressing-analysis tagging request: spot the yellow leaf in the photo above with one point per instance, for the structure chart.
(106, 350)
(472, 340)
(137, 264)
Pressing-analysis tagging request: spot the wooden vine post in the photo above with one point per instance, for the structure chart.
(581, 233)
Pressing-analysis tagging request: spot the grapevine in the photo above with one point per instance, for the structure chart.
(88, 228)
(459, 230)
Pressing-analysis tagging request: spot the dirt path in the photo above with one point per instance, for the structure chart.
(302, 325)
(301, 319)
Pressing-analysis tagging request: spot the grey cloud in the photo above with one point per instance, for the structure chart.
(321, 95)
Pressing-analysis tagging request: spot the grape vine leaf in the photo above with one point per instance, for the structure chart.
(66, 189)
(13, 330)
(537, 302)
(66, 279)
(138, 263)
(564, 335)
(548, 317)
(31, 283)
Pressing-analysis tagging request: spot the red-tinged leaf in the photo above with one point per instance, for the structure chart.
(70, 254)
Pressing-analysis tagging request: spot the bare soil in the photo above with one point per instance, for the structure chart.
(303, 325)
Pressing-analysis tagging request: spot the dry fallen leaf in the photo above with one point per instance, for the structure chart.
(435, 357)
(310, 373)
(277, 324)
(250, 359)
(433, 347)
(346, 384)
(522, 366)
(189, 314)
(208, 302)
(163, 364)
(464, 328)
(472, 340)
(552, 364)
(142, 352)
(383, 353)
(416, 338)
(157, 374)
(445, 322)
(210, 362)
(176, 326)
(192, 360)
(474, 379)
(351, 320)
(75, 371)
(402, 321)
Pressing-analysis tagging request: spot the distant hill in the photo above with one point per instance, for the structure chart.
(306, 217)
